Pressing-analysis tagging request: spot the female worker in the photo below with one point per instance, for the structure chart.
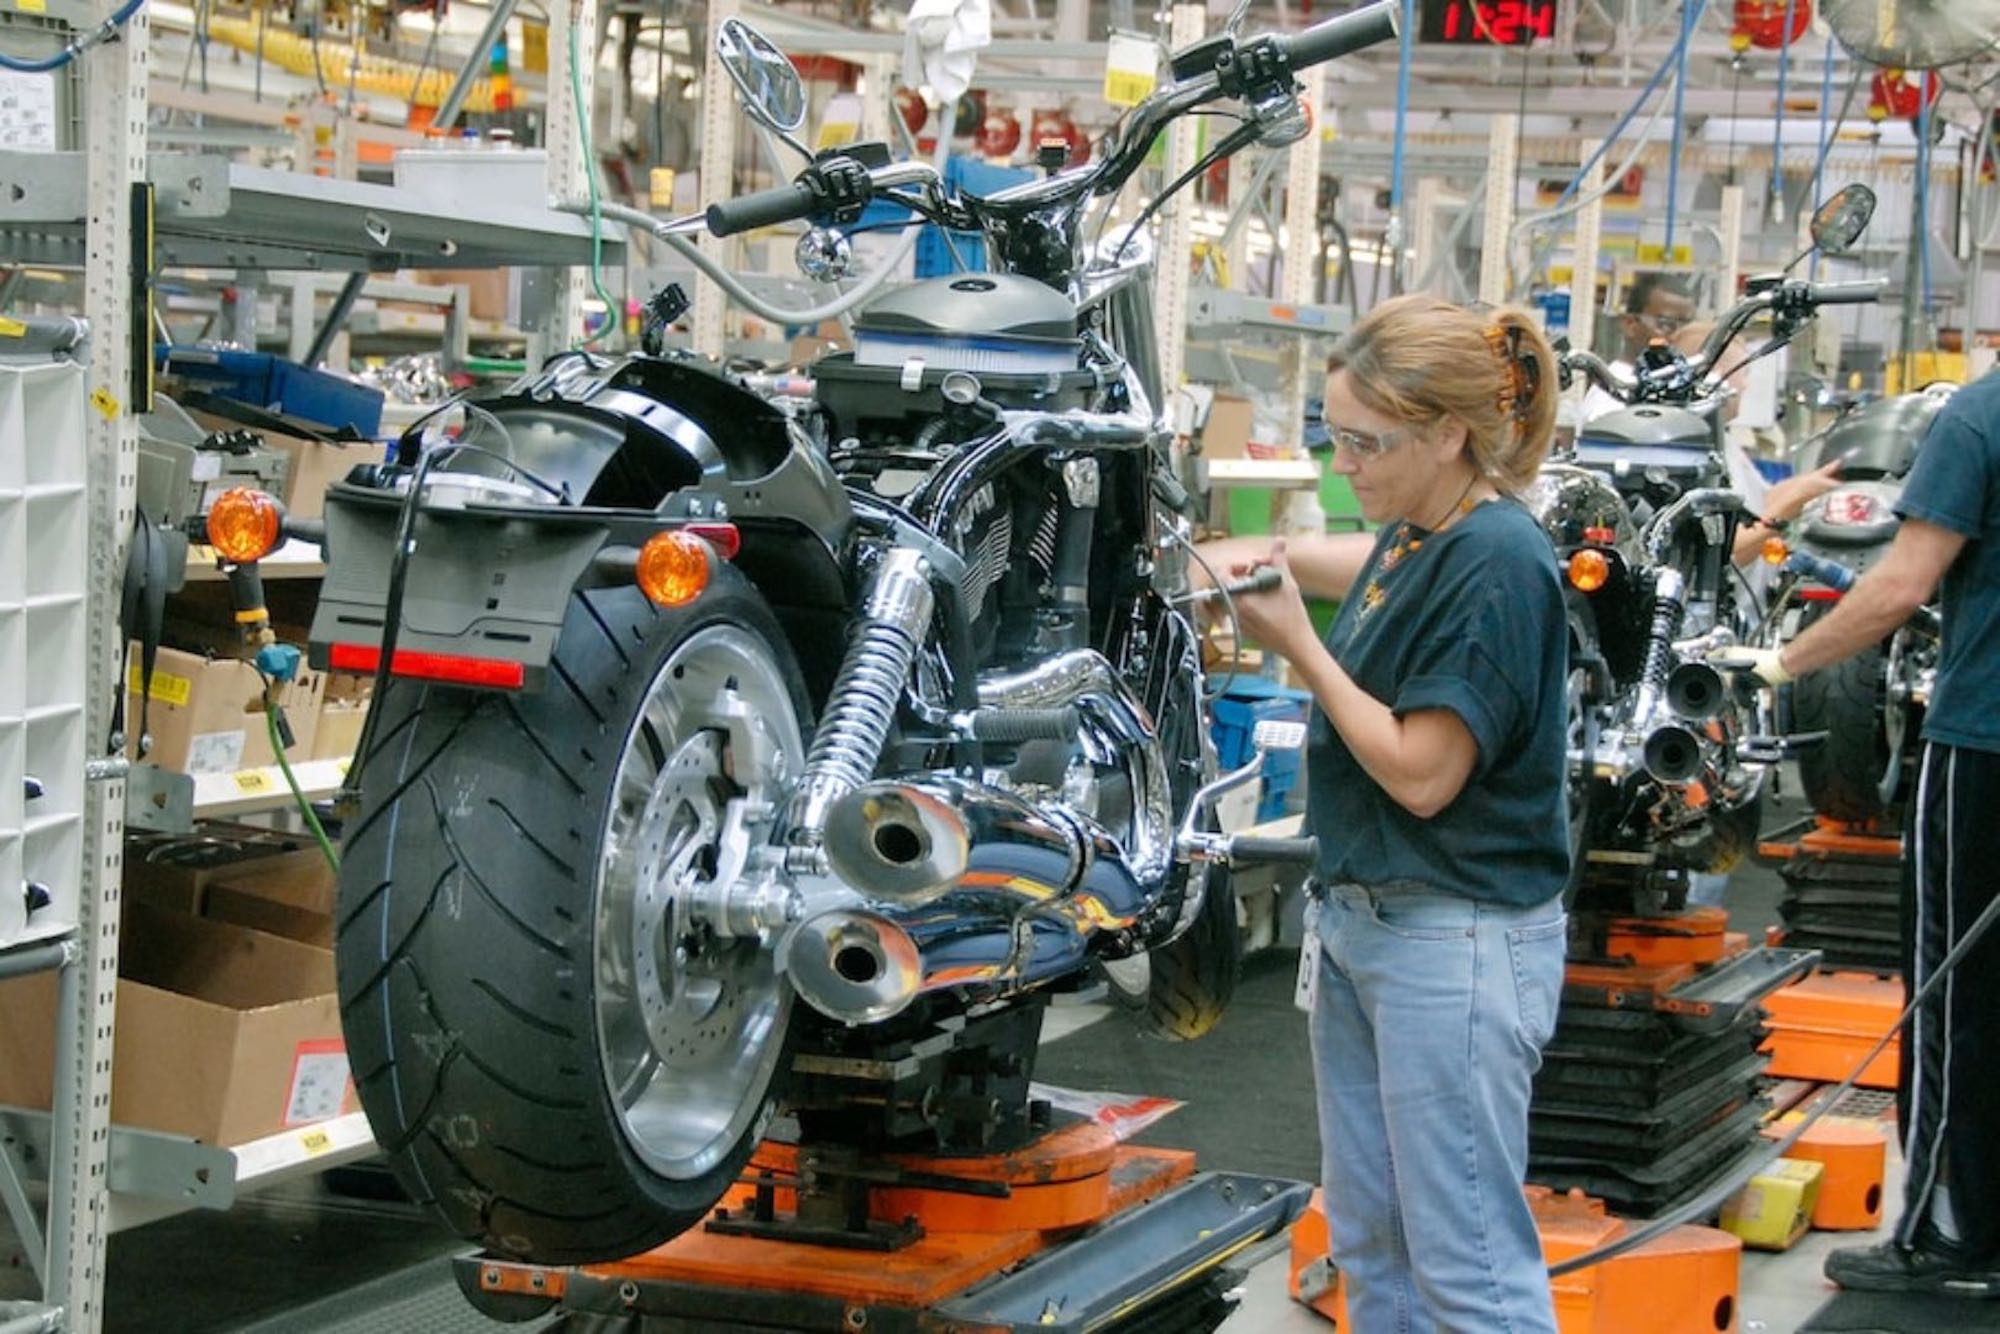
(1435, 771)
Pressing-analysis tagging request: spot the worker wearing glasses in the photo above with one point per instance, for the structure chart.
(1658, 307)
(1435, 786)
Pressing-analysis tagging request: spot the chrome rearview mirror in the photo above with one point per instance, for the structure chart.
(771, 88)
(1838, 223)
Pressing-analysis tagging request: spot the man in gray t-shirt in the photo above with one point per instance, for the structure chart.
(1948, 1238)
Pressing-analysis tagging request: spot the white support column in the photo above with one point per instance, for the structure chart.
(1583, 264)
(1301, 255)
(575, 21)
(718, 175)
(1426, 234)
(79, 1196)
(1731, 229)
(1502, 159)
(1177, 224)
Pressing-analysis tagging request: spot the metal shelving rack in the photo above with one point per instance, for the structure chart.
(76, 209)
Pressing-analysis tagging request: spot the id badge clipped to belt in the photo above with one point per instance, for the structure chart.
(1306, 989)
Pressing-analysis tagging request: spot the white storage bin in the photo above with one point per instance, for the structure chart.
(44, 560)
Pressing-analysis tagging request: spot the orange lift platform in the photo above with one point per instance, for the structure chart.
(1682, 1282)
(926, 1189)
(1072, 1232)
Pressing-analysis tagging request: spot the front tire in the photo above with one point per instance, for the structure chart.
(550, 1051)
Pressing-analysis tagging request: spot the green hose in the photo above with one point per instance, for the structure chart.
(285, 766)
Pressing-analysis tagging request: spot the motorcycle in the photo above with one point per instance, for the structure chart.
(1870, 706)
(695, 699)
(1667, 763)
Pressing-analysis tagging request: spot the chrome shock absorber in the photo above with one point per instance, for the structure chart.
(862, 705)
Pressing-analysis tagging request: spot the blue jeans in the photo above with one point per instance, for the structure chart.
(1428, 1022)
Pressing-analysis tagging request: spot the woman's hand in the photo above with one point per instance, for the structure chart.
(1784, 501)
(1276, 619)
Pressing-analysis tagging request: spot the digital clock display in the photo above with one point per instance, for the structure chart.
(1488, 22)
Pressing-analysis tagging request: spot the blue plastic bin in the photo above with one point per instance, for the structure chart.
(278, 385)
(1249, 701)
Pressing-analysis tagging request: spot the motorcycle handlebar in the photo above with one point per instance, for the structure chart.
(764, 208)
(1344, 34)
(1846, 294)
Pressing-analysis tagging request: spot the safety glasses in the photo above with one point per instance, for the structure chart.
(1366, 444)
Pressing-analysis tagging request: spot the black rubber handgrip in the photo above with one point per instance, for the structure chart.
(1345, 34)
(1846, 294)
(1261, 580)
(783, 203)
(1248, 848)
(1014, 726)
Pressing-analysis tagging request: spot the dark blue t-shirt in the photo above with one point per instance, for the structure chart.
(1956, 484)
(1469, 620)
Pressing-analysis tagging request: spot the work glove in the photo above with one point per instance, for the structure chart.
(1761, 663)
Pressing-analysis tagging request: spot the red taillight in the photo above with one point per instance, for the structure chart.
(1600, 536)
(1844, 507)
(724, 537)
(451, 668)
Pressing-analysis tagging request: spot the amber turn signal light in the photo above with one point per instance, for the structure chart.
(673, 568)
(245, 525)
(1589, 570)
(1775, 551)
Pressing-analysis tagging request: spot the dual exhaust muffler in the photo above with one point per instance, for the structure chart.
(968, 885)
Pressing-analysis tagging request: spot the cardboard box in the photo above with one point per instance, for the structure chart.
(224, 1034)
(489, 294)
(177, 873)
(341, 716)
(207, 714)
(315, 464)
(339, 729)
(293, 899)
(1226, 432)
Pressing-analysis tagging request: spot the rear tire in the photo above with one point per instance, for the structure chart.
(1844, 775)
(512, 943)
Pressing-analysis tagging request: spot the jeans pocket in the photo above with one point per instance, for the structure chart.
(1425, 916)
(1537, 955)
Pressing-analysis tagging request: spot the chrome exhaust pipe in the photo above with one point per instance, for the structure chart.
(1695, 691)
(968, 886)
(855, 967)
(1672, 754)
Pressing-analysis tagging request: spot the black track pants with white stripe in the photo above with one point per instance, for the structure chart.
(1949, 1102)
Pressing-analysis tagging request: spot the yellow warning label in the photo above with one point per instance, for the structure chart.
(33, 6)
(253, 780)
(106, 402)
(1131, 70)
(315, 1142)
(11, 328)
(167, 688)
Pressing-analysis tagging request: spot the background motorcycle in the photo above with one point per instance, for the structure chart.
(1869, 706)
(1667, 764)
(691, 698)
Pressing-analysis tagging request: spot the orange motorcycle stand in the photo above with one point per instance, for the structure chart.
(1682, 1282)
(1074, 1231)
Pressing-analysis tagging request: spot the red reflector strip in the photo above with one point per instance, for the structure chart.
(447, 667)
(724, 537)
(1819, 595)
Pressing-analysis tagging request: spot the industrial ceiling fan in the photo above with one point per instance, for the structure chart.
(1915, 34)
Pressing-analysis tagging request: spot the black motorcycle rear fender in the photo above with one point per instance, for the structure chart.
(492, 583)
